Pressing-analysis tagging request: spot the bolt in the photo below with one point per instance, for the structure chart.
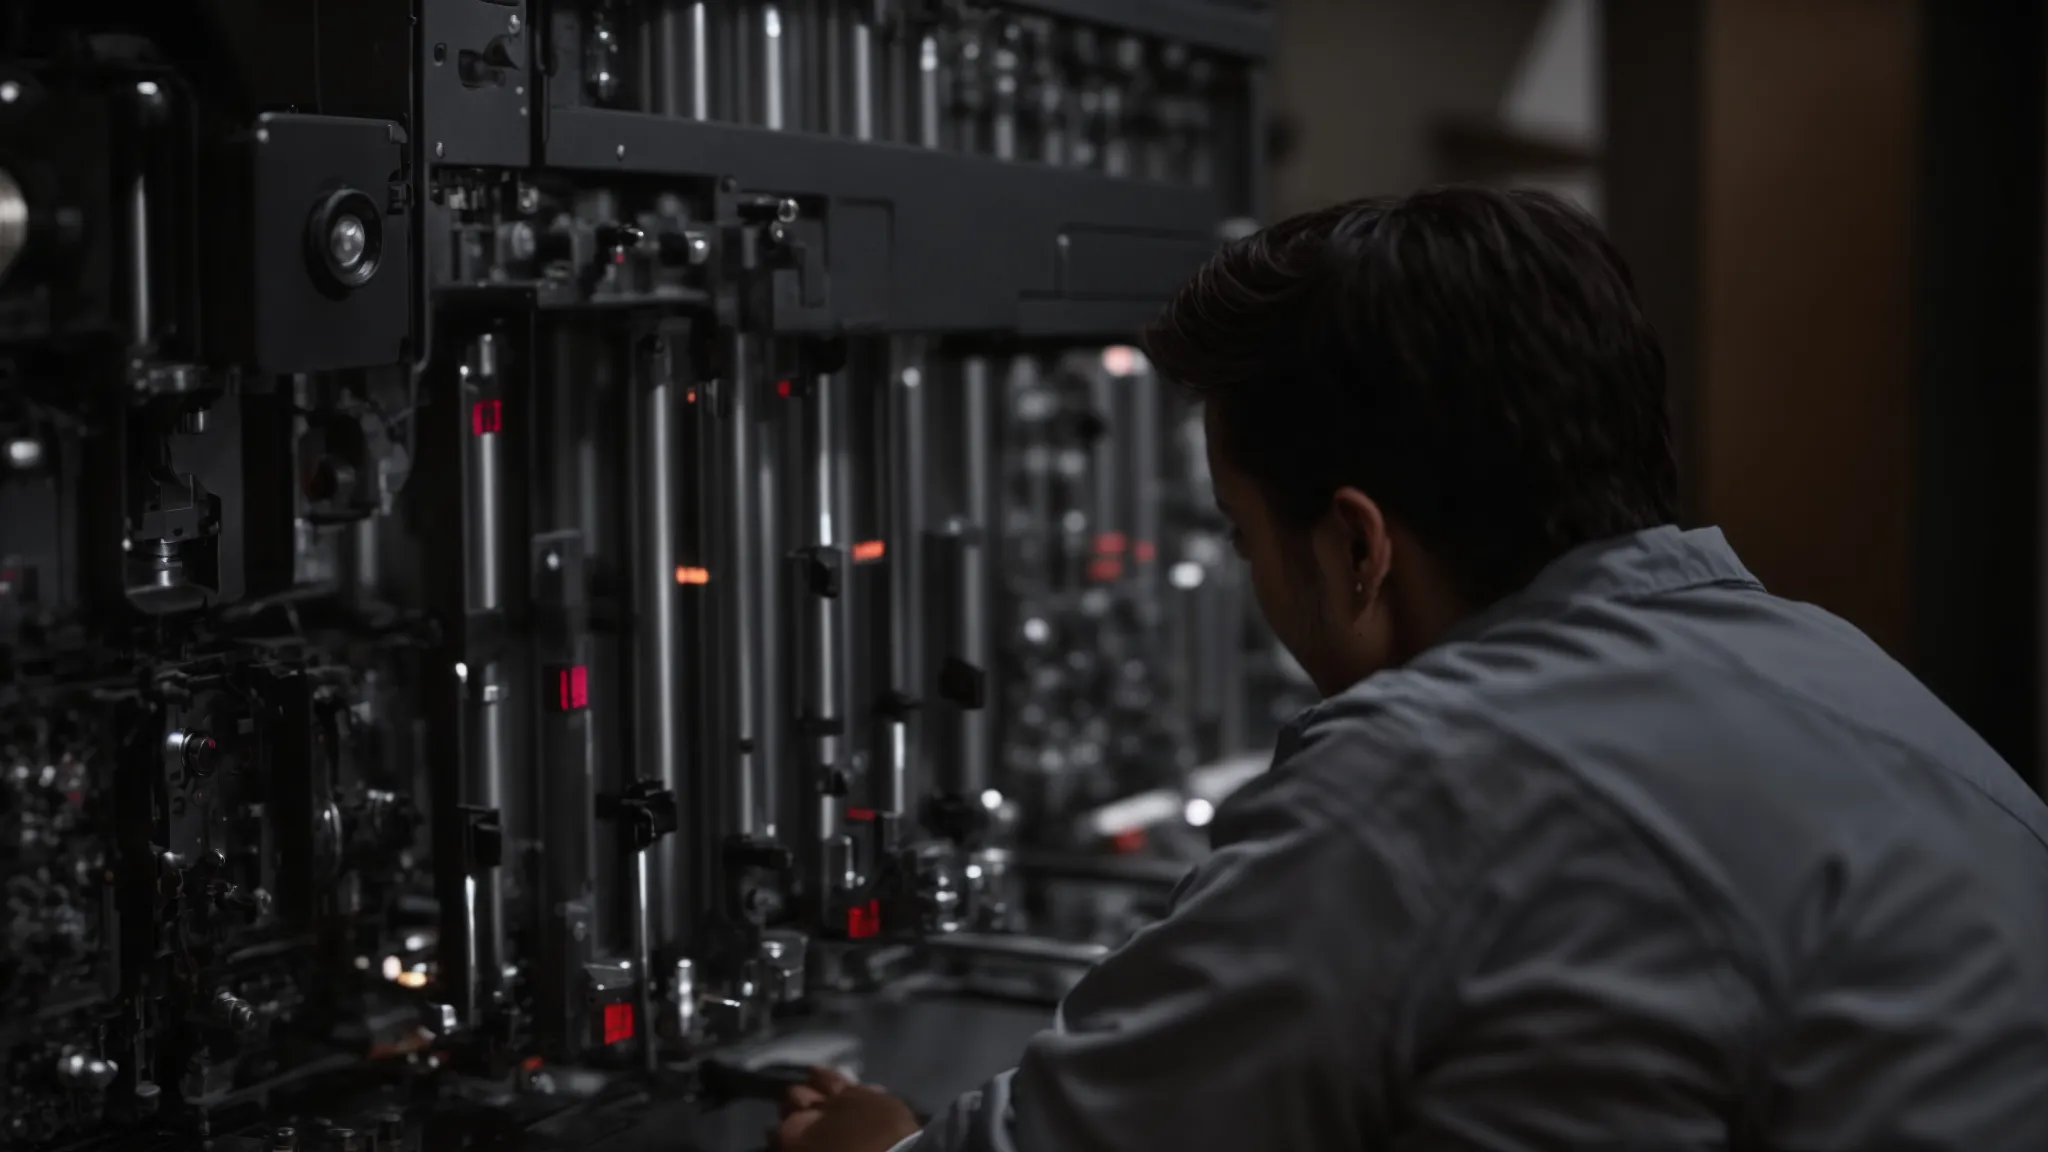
(529, 198)
(787, 211)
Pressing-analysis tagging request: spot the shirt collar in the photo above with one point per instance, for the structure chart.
(1640, 564)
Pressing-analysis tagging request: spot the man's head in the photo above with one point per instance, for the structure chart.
(1413, 405)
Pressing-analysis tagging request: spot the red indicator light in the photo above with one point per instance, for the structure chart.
(690, 397)
(864, 921)
(486, 417)
(572, 688)
(1145, 551)
(861, 815)
(1128, 841)
(784, 388)
(1109, 543)
(618, 1023)
(868, 551)
(1105, 568)
(685, 574)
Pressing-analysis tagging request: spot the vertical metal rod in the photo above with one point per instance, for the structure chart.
(978, 444)
(643, 956)
(904, 427)
(928, 106)
(773, 114)
(863, 79)
(697, 32)
(140, 316)
(485, 542)
(826, 635)
(768, 540)
(488, 788)
(737, 584)
(658, 675)
(1141, 419)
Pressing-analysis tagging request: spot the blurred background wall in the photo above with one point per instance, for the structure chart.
(1834, 210)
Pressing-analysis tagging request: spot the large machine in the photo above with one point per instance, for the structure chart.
(560, 560)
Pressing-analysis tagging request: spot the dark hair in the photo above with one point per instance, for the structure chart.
(1472, 359)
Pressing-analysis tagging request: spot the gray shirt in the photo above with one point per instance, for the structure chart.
(1642, 857)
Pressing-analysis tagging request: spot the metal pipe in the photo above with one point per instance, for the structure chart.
(141, 318)
(678, 79)
(928, 105)
(766, 537)
(486, 500)
(862, 71)
(487, 787)
(643, 955)
(658, 702)
(737, 584)
(976, 729)
(774, 111)
(904, 428)
(1031, 949)
(825, 641)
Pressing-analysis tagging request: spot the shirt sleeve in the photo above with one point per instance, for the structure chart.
(1236, 1022)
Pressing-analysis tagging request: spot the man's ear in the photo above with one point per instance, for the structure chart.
(1372, 546)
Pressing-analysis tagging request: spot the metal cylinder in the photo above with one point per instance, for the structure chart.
(677, 34)
(975, 748)
(735, 582)
(658, 697)
(903, 398)
(487, 785)
(929, 109)
(768, 539)
(825, 710)
(486, 499)
(864, 94)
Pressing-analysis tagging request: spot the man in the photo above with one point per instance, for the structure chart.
(1593, 843)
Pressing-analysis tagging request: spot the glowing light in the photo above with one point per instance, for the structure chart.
(991, 799)
(1122, 360)
(868, 551)
(1200, 812)
(685, 574)
(486, 417)
(1185, 575)
(393, 968)
(618, 1023)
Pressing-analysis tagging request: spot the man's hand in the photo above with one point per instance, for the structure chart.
(833, 1114)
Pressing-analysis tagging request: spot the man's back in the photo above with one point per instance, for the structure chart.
(1706, 862)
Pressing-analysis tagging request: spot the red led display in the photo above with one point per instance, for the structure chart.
(861, 815)
(572, 688)
(1109, 543)
(486, 417)
(1105, 568)
(869, 551)
(690, 575)
(618, 1023)
(1128, 841)
(864, 921)
(784, 389)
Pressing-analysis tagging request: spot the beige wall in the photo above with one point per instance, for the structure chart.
(1803, 413)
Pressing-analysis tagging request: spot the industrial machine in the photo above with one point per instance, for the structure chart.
(557, 558)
